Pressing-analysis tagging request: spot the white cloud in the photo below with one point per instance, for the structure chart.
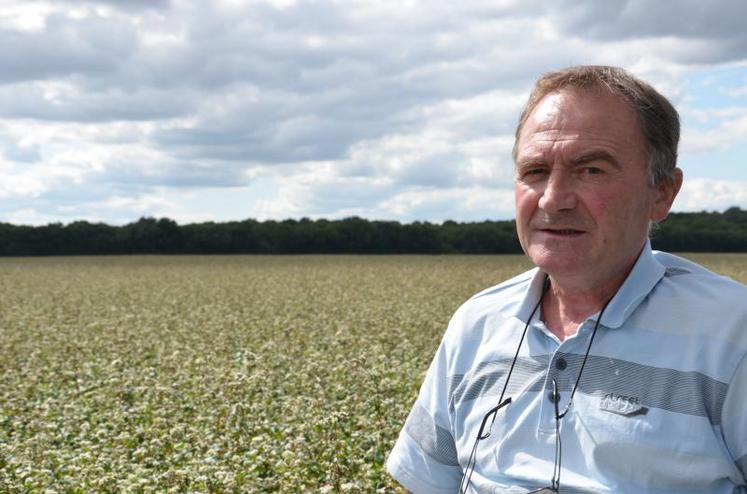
(28, 216)
(468, 204)
(737, 92)
(24, 17)
(729, 130)
(703, 194)
(27, 184)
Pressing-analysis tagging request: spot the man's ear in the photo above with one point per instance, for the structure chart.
(665, 194)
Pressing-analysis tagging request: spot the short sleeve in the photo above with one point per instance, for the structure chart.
(734, 419)
(424, 458)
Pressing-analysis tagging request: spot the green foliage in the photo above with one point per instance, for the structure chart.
(703, 232)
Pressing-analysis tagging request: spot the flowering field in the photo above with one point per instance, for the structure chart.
(222, 374)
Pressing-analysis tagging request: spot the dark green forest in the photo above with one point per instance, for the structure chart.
(680, 232)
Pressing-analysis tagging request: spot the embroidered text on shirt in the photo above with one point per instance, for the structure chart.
(622, 405)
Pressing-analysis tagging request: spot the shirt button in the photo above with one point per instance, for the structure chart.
(561, 363)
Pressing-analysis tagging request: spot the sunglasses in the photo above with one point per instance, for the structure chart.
(489, 418)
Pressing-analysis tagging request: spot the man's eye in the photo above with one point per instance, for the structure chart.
(593, 170)
(534, 171)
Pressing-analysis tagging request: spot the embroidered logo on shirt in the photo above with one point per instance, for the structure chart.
(622, 405)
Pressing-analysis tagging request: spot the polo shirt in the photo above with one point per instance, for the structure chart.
(661, 406)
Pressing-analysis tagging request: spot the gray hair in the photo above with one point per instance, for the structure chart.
(659, 120)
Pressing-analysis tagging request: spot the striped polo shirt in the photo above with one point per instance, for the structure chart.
(661, 406)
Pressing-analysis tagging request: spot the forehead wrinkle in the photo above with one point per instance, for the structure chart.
(570, 151)
(577, 143)
(539, 146)
(595, 155)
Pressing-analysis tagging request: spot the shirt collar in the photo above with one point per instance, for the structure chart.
(646, 273)
(532, 295)
(644, 276)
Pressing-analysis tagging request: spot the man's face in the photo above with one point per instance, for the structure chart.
(583, 203)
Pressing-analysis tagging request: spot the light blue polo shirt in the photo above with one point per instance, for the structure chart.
(661, 406)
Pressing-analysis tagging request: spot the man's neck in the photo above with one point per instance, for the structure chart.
(565, 308)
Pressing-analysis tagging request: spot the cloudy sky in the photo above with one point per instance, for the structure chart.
(216, 110)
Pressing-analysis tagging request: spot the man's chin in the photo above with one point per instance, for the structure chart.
(560, 262)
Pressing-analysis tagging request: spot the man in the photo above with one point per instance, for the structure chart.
(609, 367)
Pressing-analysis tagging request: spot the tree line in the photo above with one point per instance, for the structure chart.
(680, 232)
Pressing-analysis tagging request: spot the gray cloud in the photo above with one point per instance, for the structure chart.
(722, 20)
(175, 174)
(33, 101)
(715, 29)
(127, 5)
(15, 152)
(438, 170)
(90, 47)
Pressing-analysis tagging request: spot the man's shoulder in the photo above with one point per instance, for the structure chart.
(698, 280)
(700, 302)
(502, 299)
(679, 265)
(477, 319)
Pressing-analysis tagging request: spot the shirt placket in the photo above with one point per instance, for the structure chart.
(563, 366)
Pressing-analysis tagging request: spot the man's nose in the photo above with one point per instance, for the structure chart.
(559, 193)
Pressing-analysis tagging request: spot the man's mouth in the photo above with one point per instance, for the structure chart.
(565, 232)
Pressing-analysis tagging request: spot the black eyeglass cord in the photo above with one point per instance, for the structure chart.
(464, 484)
(481, 434)
(555, 481)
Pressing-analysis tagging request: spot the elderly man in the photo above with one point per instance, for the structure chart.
(609, 367)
